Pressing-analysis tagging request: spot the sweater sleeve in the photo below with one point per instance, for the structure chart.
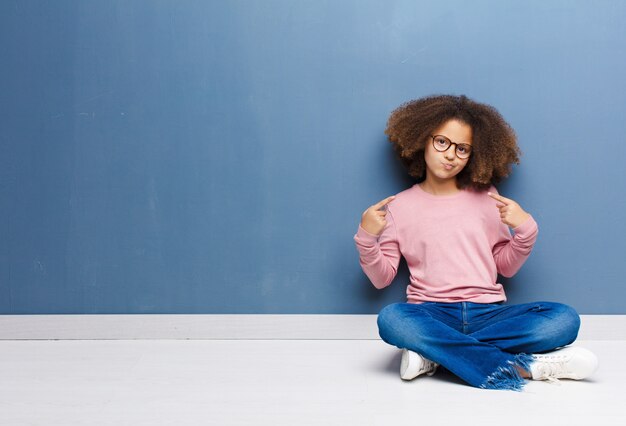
(510, 253)
(379, 256)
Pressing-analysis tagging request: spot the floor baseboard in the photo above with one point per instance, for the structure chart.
(236, 326)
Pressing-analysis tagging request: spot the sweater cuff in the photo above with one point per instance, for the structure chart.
(365, 236)
(527, 227)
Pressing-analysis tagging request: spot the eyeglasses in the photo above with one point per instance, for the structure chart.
(442, 143)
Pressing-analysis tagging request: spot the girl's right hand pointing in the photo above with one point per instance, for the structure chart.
(373, 219)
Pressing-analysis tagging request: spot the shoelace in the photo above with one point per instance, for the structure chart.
(429, 367)
(550, 367)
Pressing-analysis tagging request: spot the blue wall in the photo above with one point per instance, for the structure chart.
(216, 157)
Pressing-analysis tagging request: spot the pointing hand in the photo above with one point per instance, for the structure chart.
(511, 213)
(373, 219)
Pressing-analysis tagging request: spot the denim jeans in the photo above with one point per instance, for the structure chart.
(481, 343)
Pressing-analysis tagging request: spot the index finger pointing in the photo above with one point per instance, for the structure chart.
(383, 202)
(499, 198)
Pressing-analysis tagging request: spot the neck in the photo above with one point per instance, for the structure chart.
(436, 186)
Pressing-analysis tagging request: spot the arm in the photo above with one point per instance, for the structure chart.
(379, 256)
(511, 253)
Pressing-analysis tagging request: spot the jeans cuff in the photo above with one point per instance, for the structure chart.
(507, 377)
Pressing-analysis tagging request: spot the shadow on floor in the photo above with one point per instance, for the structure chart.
(442, 374)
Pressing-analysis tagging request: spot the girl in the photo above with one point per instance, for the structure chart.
(452, 227)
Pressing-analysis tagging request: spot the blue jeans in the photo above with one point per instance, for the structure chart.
(482, 343)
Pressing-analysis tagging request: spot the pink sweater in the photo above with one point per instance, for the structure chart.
(454, 246)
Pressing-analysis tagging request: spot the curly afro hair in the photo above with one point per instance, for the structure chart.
(494, 143)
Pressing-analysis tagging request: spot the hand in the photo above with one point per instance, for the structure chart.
(511, 213)
(373, 219)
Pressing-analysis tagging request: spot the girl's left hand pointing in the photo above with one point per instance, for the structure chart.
(511, 213)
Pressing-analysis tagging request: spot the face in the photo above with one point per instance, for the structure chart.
(443, 166)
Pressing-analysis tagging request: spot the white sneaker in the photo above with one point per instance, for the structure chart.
(566, 363)
(413, 365)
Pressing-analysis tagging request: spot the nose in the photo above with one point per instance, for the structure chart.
(450, 153)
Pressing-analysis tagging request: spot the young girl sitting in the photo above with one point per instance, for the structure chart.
(452, 227)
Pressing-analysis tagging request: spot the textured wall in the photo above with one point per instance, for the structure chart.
(215, 157)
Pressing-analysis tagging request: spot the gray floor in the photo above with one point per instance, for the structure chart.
(277, 382)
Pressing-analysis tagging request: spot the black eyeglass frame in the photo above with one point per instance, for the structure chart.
(456, 145)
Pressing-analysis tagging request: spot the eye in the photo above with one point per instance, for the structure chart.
(441, 141)
(462, 149)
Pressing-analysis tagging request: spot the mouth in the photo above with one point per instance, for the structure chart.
(448, 166)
